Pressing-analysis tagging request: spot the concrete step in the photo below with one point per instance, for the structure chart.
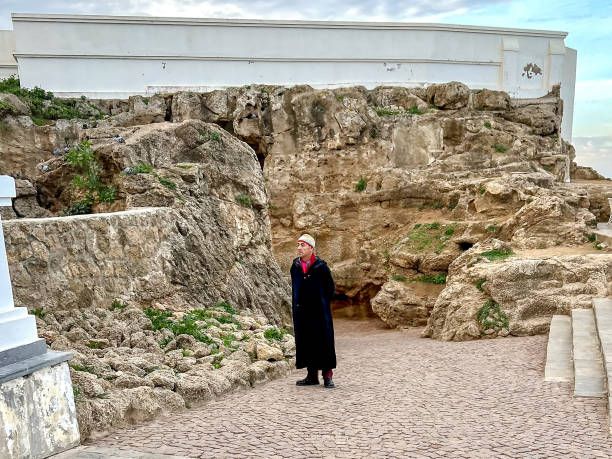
(603, 233)
(603, 319)
(589, 375)
(559, 366)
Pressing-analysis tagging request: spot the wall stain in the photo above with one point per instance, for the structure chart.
(531, 70)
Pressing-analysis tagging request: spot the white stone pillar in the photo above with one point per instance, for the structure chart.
(17, 327)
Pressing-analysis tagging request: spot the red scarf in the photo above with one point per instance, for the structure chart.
(307, 264)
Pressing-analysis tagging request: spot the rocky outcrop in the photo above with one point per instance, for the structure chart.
(130, 366)
(523, 293)
(210, 241)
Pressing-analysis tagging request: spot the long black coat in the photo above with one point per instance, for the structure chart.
(312, 319)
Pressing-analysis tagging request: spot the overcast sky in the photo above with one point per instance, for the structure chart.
(589, 24)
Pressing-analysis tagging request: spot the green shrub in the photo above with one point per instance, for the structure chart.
(500, 148)
(244, 200)
(275, 334)
(117, 305)
(495, 255)
(142, 169)
(361, 185)
(227, 307)
(385, 112)
(216, 363)
(94, 345)
(414, 111)
(417, 226)
(76, 393)
(449, 231)
(452, 205)
(106, 194)
(439, 279)
(210, 135)
(398, 277)
(340, 97)
(597, 245)
(490, 316)
(6, 108)
(432, 226)
(592, 223)
(482, 190)
(491, 228)
(167, 183)
(81, 207)
(479, 283)
(487, 125)
(39, 312)
(591, 237)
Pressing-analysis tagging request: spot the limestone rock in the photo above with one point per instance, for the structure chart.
(19, 107)
(449, 96)
(397, 305)
(486, 99)
(267, 352)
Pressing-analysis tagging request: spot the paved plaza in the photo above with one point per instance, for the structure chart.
(397, 395)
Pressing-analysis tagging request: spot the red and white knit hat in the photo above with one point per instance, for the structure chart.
(308, 239)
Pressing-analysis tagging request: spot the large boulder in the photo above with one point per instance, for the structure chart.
(449, 96)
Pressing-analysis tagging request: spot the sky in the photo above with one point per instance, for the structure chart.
(589, 24)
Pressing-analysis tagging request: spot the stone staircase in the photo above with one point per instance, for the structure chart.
(580, 350)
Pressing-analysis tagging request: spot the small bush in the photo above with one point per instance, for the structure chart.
(490, 316)
(117, 305)
(432, 226)
(417, 226)
(385, 112)
(76, 393)
(479, 283)
(167, 183)
(244, 200)
(452, 205)
(6, 108)
(491, 228)
(340, 97)
(216, 363)
(487, 125)
(227, 307)
(591, 237)
(210, 135)
(592, 223)
(81, 207)
(398, 277)
(275, 334)
(500, 148)
(361, 185)
(597, 245)
(159, 319)
(482, 190)
(495, 255)
(414, 111)
(94, 345)
(142, 169)
(145, 100)
(40, 313)
(449, 231)
(439, 279)
(78, 367)
(107, 194)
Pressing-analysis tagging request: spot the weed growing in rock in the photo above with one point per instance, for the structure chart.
(361, 185)
(591, 237)
(226, 306)
(84, 159)
(490, 316)
(432, 226)
(228, 339)
(487, 125)
(385, 111)
(186, 353)
(6, 108)
(275, 334)
(273, 207)
(185, 166)
(94, 345)
(439, 279)
(145, 100)
(482, 190)
(452, 205)
(39, 312)
(479, 283)
(414, 111)
(244, 200)
(216, 363)
(117, 305)
(597, 245)
(78, 367)
(340, 97)
(76, 393)
(210, 135)
(495, 255)
(491, 228)
(592, 223)
(500, 148)
(166, 182)
(374, 133)
(80, 207)
(164, 342)
(555, 137)
(398, 277)
(449, 231)
(142, 169)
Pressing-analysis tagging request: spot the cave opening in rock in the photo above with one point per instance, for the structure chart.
(357, 306)
(465, 245)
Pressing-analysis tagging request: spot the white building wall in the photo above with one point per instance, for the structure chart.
(8, 64)
(110, 56)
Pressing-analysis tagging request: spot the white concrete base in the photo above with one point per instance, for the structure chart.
(17, 328)
(37, 414)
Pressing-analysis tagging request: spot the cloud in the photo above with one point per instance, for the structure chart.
(595, 152)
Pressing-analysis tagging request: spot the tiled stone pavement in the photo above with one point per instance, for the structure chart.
(397, 395)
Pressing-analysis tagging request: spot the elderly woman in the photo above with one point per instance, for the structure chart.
(313, 289)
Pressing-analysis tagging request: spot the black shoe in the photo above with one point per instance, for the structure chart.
(329, 383)
(307, 381)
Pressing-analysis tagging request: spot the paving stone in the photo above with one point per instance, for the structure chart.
(589, 376)
(559, 351)
(397, 395)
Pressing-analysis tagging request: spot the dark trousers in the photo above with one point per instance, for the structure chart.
(314, 373)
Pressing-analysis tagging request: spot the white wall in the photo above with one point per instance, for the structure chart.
(8, 64)
(111, 56)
